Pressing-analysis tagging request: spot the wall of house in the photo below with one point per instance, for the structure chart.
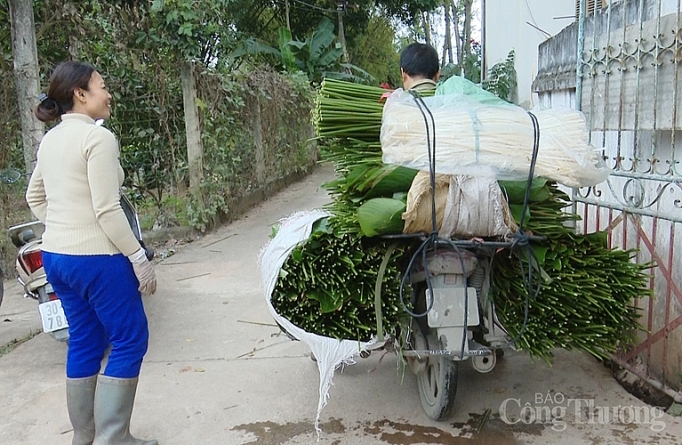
(519, 25)
(630, 90)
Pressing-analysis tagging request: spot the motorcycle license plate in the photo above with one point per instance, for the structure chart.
(52, 316)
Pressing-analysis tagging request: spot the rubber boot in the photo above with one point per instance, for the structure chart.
(80, 402)
(114, 400)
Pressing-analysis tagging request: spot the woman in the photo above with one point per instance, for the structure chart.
(91, 257)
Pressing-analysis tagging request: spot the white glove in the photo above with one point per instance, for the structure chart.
(144, 271)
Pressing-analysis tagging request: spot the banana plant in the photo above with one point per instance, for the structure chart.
(318, 56)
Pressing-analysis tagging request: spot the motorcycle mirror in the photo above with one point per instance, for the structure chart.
(27, 236)
(9, 175)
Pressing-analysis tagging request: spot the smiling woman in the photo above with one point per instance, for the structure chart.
(91, 256)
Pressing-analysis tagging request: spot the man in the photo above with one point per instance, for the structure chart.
(419, 67)
(420, 70)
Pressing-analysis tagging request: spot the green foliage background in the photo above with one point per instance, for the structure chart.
(139, 47)
(147, 115)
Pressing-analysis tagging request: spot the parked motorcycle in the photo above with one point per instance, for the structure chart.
(27, 238)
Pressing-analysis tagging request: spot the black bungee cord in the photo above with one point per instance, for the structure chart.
(521, 239)
(433, 239)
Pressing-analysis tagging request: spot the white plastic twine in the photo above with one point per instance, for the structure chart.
(329, 352)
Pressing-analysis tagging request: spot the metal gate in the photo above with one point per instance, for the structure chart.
(629, 86)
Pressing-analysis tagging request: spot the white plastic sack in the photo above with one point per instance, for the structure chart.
(466, 206)
(494, 141)
(476, 207)
(329, 352)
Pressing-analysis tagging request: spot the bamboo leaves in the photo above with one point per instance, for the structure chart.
(379, 216)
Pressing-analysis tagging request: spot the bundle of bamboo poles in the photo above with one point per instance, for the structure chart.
(587, 293)
(327, 285)
(348, 110)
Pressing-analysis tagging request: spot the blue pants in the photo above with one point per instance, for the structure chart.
(103, 306)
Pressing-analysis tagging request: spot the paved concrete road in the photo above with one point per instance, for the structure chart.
(219, 372)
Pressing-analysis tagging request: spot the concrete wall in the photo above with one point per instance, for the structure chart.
(632, 108)
(506, 27)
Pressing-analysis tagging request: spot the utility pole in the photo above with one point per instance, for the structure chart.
(26, 73)
(286, 4)
(340, 9)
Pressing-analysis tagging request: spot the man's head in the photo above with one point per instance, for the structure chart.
(419, 61)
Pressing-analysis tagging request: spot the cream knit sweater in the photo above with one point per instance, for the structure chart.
(74, 190)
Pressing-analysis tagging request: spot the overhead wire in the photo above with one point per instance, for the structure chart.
(314, 6)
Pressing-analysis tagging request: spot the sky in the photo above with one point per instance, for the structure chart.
(438, 27)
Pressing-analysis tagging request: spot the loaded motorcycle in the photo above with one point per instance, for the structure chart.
(452, 319)
(31, 275)
(452, 315)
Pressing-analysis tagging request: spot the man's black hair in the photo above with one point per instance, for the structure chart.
(420, 59)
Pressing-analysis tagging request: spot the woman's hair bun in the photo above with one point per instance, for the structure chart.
(47, 109)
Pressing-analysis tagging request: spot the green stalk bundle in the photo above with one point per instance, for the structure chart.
(326, 286)
(586, 302)
(348, 110)
(587, 290)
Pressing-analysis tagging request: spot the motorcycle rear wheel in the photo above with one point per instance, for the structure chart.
(438, 383)
(438, 377)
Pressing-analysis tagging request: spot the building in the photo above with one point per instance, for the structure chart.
(619, 64)
(522, 25)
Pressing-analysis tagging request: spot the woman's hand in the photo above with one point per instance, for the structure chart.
(144, 271)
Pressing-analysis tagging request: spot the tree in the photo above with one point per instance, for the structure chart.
(447, 45)
(501, 78)
(376, 52)
(195, 33)
(259, 20)
(465, 7)
(468, 62)
(408, 12)
(462, 10)
(27, 76)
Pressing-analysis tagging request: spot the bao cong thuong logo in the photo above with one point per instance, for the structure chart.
(559, 411)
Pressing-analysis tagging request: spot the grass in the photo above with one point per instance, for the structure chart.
(11, 346)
